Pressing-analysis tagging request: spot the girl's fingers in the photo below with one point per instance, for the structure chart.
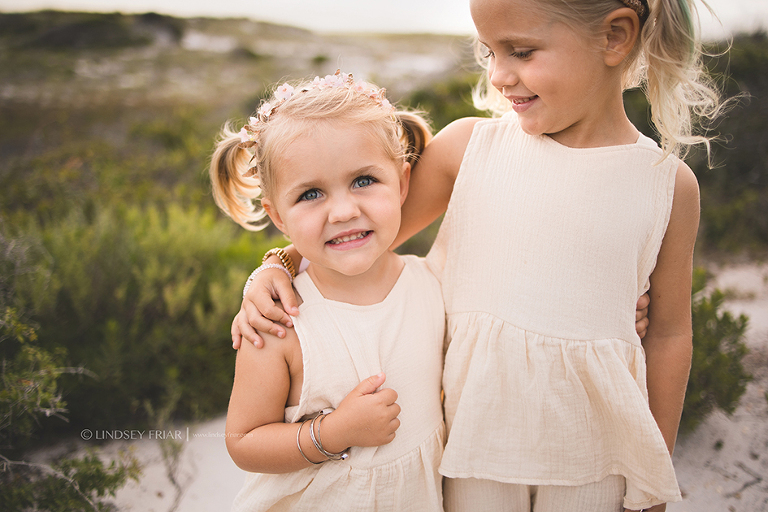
(237, 338)
(387, 396)
(287, 297)
(257, 321)
(265, 306)
(248, 332)
(641, 326)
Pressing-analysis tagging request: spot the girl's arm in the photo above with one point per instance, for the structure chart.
(433, 177)
(259, 310)
(257, 437)
(668, 343)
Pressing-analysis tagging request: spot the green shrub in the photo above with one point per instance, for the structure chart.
(29, 392)
(68, 485)
(718, 379)
(446, 101)
(143, 298)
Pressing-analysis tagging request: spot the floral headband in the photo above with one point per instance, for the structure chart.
(249, 133)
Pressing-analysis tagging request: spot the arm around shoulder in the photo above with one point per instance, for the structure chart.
(433, 177)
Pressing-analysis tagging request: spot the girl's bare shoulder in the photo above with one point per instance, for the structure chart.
(446, 150)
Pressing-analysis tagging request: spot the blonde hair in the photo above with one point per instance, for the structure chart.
(666, 64)
(241, 176)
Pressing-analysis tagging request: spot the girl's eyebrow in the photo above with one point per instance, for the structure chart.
(365, 170)
(514, 41)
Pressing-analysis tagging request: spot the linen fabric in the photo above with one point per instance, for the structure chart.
(342, 344)
(542, 255)
(461, 494)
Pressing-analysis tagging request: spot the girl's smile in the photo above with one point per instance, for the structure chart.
(350, 240)
(520, 105)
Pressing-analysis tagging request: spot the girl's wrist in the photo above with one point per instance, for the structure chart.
(333, 435)
(285, 259)
(288, 257)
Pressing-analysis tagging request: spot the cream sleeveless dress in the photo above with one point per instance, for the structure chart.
(542, 255)
(341, 345)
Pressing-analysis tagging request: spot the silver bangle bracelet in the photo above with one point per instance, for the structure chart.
(259, 269)
(298, 443)
(342, 455)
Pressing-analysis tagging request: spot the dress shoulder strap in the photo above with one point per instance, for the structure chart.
(306, 289)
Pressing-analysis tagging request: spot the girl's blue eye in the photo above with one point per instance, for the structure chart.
(310, 195)
(363, 181)
(522, 55)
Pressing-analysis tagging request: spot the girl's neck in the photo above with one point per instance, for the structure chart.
(618, 133)
(606, 125)
(370, 287)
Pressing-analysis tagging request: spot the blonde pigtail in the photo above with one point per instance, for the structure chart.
(236, 189)
(416, 134)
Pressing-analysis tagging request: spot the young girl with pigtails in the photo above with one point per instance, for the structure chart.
(309, 417)
(559, 214)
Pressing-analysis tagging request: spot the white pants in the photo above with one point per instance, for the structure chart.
(473, 495)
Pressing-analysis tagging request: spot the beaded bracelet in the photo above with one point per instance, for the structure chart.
(259, 269)
(285, 259)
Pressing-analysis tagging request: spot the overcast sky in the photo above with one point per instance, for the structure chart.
(439, 16)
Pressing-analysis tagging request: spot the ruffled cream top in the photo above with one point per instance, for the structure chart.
(341, 345)
(542, 255)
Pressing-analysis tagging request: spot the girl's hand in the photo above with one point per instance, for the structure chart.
(366, 417)
(641, 315)
(259, 311)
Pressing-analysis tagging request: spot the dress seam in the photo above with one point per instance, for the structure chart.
(536, 333)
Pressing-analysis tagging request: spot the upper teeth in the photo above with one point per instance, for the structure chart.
(349, 237)
(519, 101)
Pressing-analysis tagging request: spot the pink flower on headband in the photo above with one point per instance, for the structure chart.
(265, 109)
(284, 92)
(335, 81)
(244, 135)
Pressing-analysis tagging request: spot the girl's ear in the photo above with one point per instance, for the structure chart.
(622, 29)
(405, 180)
(273, 215)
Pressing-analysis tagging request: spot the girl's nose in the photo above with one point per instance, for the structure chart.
(343, 209)
(501, 74)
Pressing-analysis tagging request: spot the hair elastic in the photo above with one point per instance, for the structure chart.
(640, 7)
